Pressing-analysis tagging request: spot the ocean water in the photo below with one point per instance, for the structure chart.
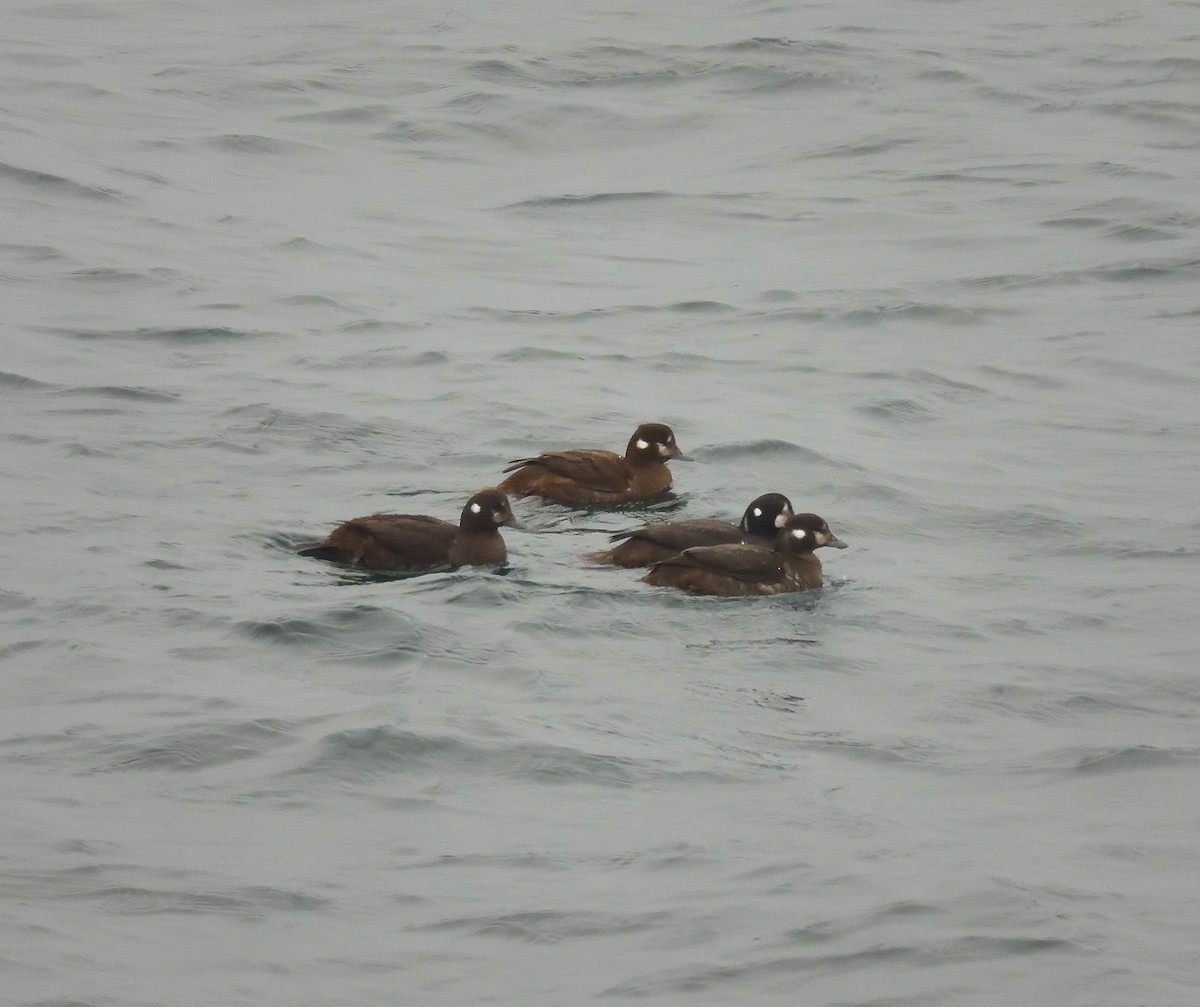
(928, 268)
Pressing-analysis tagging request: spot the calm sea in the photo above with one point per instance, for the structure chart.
(929, 268)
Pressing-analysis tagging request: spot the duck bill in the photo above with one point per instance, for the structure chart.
(679, 456)
(513, 522)
(835, 543)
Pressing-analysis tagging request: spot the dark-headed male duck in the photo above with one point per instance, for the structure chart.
(654, 542)
(419, 543)
(589, 475)
(745, 570)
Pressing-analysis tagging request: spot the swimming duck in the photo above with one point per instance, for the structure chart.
(417, 542)
(744, 570)
(590, 475)
(653, 542)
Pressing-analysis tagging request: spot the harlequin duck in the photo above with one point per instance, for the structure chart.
(653, 542)
(588, 475)
(417, 542)
(751, 570)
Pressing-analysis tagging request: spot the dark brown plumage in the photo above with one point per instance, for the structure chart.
(590, 475)
(417, 542)
(745, 570)
(655, 542)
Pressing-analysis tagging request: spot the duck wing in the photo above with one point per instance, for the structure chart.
(389, 542)
(680, 535)
(751, 564)
(604, 471)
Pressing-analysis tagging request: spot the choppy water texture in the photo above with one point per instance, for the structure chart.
(930, 269)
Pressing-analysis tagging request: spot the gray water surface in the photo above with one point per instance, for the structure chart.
(930, 269)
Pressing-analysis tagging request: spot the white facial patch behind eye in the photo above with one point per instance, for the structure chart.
(642, 445)
(757, 512)
(476, 509)
(799, 533)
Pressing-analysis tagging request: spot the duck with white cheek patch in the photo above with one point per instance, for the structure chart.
(414, 543)
(747, 570)
(594, 476)
(654, 542)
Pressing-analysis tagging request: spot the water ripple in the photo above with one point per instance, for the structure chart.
(56, 184)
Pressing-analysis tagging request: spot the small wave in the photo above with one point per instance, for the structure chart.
(756, 45)
(110, 275)
(366, 620)
(898, 411)
(917, 311)
(498, 70)
(1138, 233)
(199, 747)
(253, 902)
(1042, 381)
(701, 307)
(765, 448)
(531, 354)
(8, 650)
(865, 148)
(362, 753)
(389, 356)
(21, 383)
(589, 199)
(32, 253)
(350, 114)
(550, 927)
(1181, 269)
(1133, 757)
(55, 1002)
(1018, 523)
(253, 143)
(1022, 176)
(900, 753)
(403, 131)
(1178, 115)
(944, 387)
(1075, 223)
(706, 977)
(1020, 281)
(314, 301)
(301, 244)
(527, 316)
(119, 392)
(186, 334)
(57, 183)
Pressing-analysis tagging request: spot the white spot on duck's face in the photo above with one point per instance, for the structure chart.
(641, 445)
(499, 517)
(799, 534)
(781, 519)
(758, 512)
(822, 538)
(476, 509)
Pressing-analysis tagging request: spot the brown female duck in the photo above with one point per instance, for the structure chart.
(654, 542)
(590, 475)
(745, 570)
(417, 542)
